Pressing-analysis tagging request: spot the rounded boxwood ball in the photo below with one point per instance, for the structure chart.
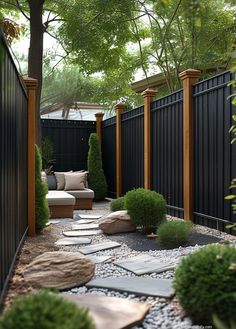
(45, 311)
(205, 284)
(146, 208)
(118, 204)
(173, 233)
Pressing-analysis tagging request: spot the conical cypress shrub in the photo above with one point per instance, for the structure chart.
(96, 177)
(41, 189)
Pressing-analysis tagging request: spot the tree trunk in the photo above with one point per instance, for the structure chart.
(35, 59)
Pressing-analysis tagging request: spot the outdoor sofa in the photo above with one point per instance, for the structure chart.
(67, 191)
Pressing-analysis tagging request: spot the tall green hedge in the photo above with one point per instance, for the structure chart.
(96, 178)
(41, 189)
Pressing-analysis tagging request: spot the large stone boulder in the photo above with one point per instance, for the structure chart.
(117, 222)
(60, 270)
(111, 312)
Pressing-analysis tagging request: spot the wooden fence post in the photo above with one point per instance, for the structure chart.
(148, 94)
(31, 85)
(189, 78)
(99, 117)
(119, 109)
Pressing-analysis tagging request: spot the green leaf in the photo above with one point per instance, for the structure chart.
(230, 197)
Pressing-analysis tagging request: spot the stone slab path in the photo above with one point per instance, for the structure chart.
(143, 264)
(89, 216)
(85, 226)
(82, 233)
(98, 259)
(85, 221)
(98, 247)
(144, 286)
(72, 241)
(111, 312)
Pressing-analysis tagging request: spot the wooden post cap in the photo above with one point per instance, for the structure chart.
(190, 73)
(30, 83)
(149, 93)
(99, 115)
(120, 107)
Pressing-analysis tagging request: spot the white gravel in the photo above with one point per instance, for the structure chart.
(163, 314)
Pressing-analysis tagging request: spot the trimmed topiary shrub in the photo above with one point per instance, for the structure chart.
(205, 284)
(45, 310)
(146, 208)
(41, 189)
(118, 204)
(96, 177)
(173, 233)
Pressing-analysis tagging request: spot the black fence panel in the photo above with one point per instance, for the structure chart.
(167, 150)
(70, 140)
(109, 154)
(132, 149)
(13, 164)
(215, 157)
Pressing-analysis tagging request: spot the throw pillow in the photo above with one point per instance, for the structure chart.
(60, 179)
(74, 181)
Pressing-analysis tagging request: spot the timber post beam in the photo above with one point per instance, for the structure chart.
(119, 109)
(148, 95)
(99, 118)
(189, 78)
(31, 85)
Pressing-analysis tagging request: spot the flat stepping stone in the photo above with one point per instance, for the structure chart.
(85, 227)
(98, 259)
(111, 312)
(135, 285)
(144, 264)
(72, 241)
(54, 221)
(90, 216)
(82, 233)
(84, 221)
(98, 247)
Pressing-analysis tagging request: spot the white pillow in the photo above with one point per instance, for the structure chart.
(75, 181)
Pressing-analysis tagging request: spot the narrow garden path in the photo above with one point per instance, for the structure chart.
(165, 313)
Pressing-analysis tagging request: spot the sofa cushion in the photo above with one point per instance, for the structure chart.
(82, 194)
(52, 182)
(60, 177)
(43, 177)
(60, 198)
(75, 181)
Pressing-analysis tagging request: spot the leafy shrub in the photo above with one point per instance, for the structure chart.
(205, 284)
(146, 208)
(118, 204)
(45, 310)
(47, 154)
(96, 178)
(41, 189)
(173, 233)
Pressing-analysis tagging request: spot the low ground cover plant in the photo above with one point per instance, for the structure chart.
(172, 234)
(146, 208)
(118, 204)
(45, 310)
(205, 284)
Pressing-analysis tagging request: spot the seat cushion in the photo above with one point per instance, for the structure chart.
(82, 194)
(60, 198)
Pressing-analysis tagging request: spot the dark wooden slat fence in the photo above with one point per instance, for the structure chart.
(70, 140)
(167, 150)
(132, 149)
(13, 163)
(215, 157)
(109, 154)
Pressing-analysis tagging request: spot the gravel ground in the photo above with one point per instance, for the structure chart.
(164, 314)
